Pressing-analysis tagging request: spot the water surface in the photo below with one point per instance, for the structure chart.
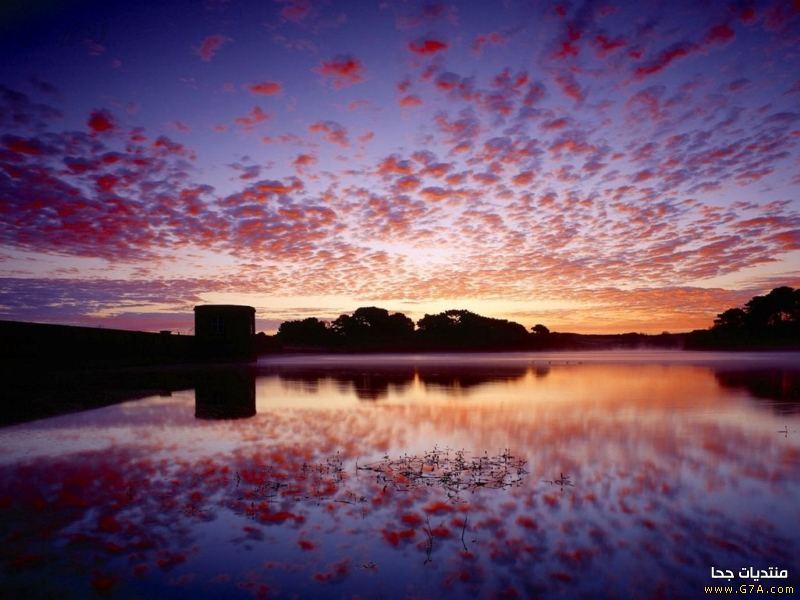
(512, 475)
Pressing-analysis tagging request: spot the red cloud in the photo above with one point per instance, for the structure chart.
(304, 160)
(566, 81)
(435, 193)
(31, 147)
(101, 121)
(788, 240)
(210, 45)
(366, 137)
(431, 11)
(390, 165)
(410, 101)
(269, 186)
(568, 45)
(332, 131)
(555, 124)
(495, 38)
(437, 169)
(646, 103)
(663, 60)
(523, 178)
(255, 117)
(605, 45)
(343, 71)
(265, 88)
(448, 81)
(747, 14)
(572, 143)
(407, 184)
(719, 34)
(296, 10)
(106, 183)
(356, 104)
(427, 46)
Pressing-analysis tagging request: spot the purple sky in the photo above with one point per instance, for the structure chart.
(594, 166)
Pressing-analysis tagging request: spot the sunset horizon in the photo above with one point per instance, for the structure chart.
(596, 167)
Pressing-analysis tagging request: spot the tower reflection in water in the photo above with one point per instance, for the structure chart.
(226, 394)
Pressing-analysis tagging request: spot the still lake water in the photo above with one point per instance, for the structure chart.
(605, 474)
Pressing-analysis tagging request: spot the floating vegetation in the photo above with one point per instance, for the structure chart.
(454, 472)
(315, 482)
(562, 481)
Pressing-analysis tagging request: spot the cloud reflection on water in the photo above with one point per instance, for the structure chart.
(675, 468)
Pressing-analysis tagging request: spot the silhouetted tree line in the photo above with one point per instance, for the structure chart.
(372, 328)
(375, 329)
(769, 321)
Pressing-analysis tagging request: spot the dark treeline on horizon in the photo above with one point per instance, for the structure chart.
(770, 321)
(376, 329)
(372, 328)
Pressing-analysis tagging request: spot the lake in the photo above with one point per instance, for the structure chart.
(605, 474)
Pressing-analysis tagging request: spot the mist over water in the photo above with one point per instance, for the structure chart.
(509, 475)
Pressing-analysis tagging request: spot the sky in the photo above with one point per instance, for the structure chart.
(596, 166)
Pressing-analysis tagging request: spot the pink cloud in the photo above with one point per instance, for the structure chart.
(494, 38)
(567, 46)
(392, 166)
(569, 86)
(342, 71)
(357, 104)
(331, 131)
(255, 117)
(265, 88)
(553, 124)
(427, 13)
(407, 184)
(31, 147)
(717, 35)
(605, 45)
(366, 137)
(410, 101)
(210, 46)
(101, 121)
(427, 46)
(302, 161)
(435, 193)
(295, 10)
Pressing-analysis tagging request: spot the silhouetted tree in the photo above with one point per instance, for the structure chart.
(539, 329)
(372, 327)
(733, 318)
(774, 312)
(772, 320)
(781, 306)
(308, 332)
(464, 329)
